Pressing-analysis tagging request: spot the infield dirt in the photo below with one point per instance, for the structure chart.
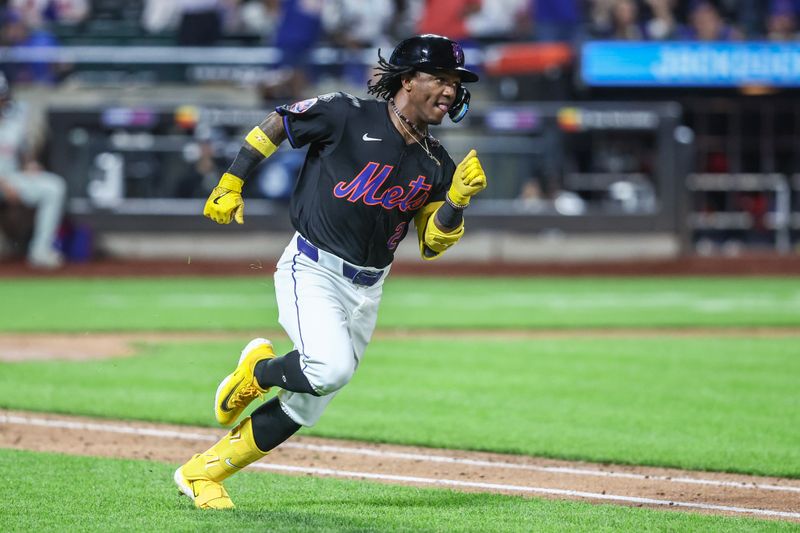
(79, 346)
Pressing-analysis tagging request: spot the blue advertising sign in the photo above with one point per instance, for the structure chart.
(690, 64)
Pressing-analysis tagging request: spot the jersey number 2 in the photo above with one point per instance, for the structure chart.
(399, 231)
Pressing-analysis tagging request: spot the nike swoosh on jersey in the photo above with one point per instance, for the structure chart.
(366, 137)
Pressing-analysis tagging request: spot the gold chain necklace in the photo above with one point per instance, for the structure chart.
(424, 137)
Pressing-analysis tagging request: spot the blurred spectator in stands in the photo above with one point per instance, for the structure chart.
(598, 16)
(556, 20)
(750, 16)
(36, 13)
(500, 20)
(298, 31)
(623, 23)
(782, 21)
(200, 22)
(197, 22)
(756, 205)
(406, 19)
(531, 197)
(448, 18)
(159, 16)
(629, 20)
(15, 32)
(258, 17)
(24, 181)
(660, 24)
(706, 24)
(355, 29)
(203, 172)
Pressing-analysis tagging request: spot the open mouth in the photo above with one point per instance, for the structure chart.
(444, 107)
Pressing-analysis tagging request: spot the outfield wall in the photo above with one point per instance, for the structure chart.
(477, 246)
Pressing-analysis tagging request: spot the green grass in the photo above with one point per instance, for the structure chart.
(727, 404)
(63, 493)
(105, 304)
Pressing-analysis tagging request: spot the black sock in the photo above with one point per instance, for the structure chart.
(283, 372)
(271, 426)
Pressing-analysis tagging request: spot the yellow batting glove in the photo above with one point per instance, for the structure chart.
(225, 201)
(468, 180)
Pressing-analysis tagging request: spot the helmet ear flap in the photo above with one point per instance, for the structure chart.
(461, 104)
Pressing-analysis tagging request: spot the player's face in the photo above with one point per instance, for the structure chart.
(433, 94)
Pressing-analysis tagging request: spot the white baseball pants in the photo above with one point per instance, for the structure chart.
(329, 319)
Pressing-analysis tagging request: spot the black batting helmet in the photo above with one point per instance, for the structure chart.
(432, 52)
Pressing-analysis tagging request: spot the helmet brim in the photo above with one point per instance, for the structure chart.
(466, 75)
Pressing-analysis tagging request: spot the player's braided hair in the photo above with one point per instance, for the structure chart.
(388, 78)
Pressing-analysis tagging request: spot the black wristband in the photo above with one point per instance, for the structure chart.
(453, 204)
(246, 160)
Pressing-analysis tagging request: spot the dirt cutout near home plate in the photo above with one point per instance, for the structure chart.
(84, 346)
(705, 492)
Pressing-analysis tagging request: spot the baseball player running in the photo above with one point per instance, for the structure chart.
(372, 166)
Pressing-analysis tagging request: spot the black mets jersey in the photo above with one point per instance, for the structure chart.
(360, 184)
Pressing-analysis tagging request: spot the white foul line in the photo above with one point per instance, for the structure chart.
(534, 468)
(164, 433)
(537, 490)
(109, 428)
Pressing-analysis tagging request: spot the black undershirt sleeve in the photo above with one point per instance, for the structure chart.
(448, 217)
(246, 160)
